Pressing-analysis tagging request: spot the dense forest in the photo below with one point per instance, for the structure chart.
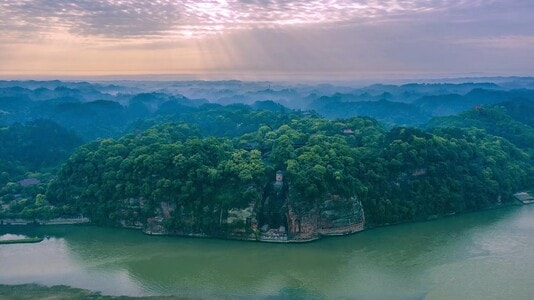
(192, 163)
(508, 120)
(400, 175)
(29, 157)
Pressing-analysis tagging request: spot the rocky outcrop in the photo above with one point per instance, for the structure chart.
(340, 216)
(273, 217)
(278, 218)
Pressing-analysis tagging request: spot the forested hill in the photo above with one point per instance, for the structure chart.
(175, 163)
(34, 146)
(510, 120)
(30, 156)
(400, 175)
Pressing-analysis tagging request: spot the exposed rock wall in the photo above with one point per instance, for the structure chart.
(274, 218)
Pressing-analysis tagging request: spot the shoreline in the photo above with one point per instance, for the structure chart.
(22, 241)
(41, 291)
(56, 221)
(319, 236)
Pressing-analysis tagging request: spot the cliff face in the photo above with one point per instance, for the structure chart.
(341, 216)
(305, 221)
(271, 216)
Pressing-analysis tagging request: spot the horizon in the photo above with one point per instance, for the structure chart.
(360, 82)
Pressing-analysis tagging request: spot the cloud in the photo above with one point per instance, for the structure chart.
(499, 42)
(119, 19)
(87, 17)
(344, 36)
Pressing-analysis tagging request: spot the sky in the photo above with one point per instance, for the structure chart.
(267, 39)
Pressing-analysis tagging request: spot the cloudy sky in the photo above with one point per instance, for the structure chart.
(262, 39)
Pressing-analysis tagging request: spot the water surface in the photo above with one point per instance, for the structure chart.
(485, 255)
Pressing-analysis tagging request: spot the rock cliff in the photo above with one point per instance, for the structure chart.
(274, 216)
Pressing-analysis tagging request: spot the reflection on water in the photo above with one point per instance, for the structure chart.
(483, 255)
(52, 262)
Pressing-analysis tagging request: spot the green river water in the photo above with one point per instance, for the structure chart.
(485, 255)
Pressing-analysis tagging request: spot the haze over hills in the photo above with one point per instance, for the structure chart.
(73, 103)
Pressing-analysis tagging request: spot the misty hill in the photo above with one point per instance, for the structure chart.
(219, 120)
(510, 120)
(454, 103)
(521, 110)
(87, 93)
(33, 146)
(419, 111)
(101, 110)
(413, 91)
(388, 112)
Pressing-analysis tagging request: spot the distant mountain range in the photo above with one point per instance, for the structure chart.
(113, 106)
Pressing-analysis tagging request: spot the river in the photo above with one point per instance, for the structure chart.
(484, 255)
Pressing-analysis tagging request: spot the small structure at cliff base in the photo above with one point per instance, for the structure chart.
(525, 198)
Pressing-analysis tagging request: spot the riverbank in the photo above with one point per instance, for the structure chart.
(56, 221)
(271, 236)
(21, 241)
(264, 237)
(35, 291)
